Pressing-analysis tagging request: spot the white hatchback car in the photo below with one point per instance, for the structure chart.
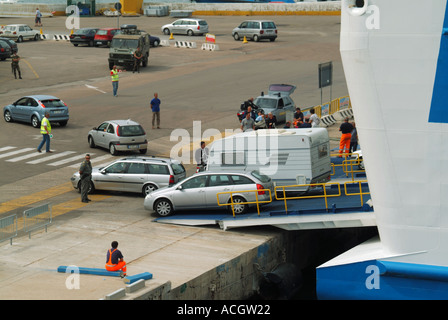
(118, 135)
(190, 27)
(19, 32)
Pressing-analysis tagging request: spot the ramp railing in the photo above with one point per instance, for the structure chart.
(257, 201)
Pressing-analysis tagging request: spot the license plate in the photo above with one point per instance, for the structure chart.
(57, 111)
(269, 31)
(100, 42)
(134, 146)
(120, 60)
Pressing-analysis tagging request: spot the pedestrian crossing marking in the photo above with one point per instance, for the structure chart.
(54, 156)
(61, 162)
(27, 156)
(5, 155)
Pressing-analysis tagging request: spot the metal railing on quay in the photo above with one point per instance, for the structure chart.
(257, 201)
(8, 228)
(36, 218)
(348, 165)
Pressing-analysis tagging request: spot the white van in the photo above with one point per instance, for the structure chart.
(288, 156)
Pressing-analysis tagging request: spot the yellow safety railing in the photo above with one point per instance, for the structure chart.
(360, 193)
(257, 201)
(323, 185)
(348, 164)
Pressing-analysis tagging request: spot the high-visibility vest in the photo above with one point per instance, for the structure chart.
(109, 263)
(42, 126)
(114, 75)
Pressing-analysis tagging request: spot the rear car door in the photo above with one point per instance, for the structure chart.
(135, 176)
(243, 185)
(217, 184)
(158, 174)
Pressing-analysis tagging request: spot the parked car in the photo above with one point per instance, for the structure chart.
(277, 101)
(118, 135)
(200, 192)
(32, 109)
(83, 36)
(256, 30)
(5, 50)
(104, 36)
(154, 41)
(12, 44)
(19, 32)
(136, 174)
(188, 26)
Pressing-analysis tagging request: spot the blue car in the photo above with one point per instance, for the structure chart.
(32, 109)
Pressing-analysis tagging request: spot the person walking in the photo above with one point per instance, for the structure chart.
(38, 22)
(15, 65)
(45, 130)
(201, 157)
(114, 76)
(85, 172)
(114, 260)
(346, 129)
(155, 107)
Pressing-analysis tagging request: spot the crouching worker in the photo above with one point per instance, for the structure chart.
(114, 259)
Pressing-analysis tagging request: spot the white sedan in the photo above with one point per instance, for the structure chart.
(19, 32)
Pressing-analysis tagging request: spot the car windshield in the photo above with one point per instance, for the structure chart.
(53, 103)
(129, 131)
(178, 168)
(265, 103)
(261, 177)
(124, 43)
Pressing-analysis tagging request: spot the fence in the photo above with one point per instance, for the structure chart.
(8, 228)
(36, 218)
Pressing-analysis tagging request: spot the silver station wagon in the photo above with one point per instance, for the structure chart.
(188, 26)
(135, 174)
(119, 135)
(200, 192)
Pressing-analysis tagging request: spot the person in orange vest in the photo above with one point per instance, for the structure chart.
(114, 259)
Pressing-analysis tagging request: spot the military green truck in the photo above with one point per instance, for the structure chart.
(124, 44)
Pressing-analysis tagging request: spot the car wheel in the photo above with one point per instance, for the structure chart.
(63, 123)
(163, 208)
(112, 149)
(75, 44)
(20, 39)
(148, 188)
(7, 116)
(156, 43)
(238, 207)
(256, 38)
(361, 164)
(35, 122)
(143, 151)
(166, 31)
(91, 43)
(36, 37)
(190, 33)
(91, 142)
(272, 39)
(236, 36)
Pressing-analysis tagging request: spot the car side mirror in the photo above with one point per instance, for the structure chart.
(103, 171)
(179, 187)
(94, 128)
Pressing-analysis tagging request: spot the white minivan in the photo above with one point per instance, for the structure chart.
(256, 30)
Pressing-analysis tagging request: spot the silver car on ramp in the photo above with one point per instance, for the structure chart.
(200, 192)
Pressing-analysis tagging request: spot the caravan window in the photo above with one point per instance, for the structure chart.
(232, 158)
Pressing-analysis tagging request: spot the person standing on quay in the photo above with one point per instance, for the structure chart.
(85, 173)
(114, 76)
(155, 107)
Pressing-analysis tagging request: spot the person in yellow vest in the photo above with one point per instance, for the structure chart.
(114, 76)
(114, 259)
(45, 130)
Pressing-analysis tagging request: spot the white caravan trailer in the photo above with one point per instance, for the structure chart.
(288, 156)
